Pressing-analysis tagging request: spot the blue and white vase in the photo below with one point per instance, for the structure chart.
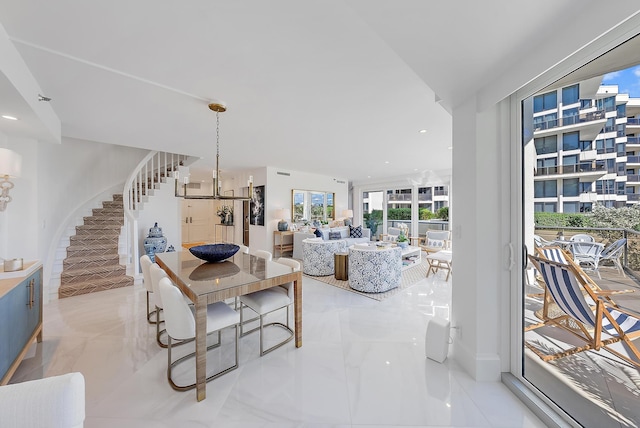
(155, 242)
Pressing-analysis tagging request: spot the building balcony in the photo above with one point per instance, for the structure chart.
(582, 169)
(633, 160)
(633, 142)
(588, 124)
(588, 155)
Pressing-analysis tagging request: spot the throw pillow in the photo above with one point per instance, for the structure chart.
(317, 233)
(355, 232)
(435, 243)
(325, 233)
(334, 235)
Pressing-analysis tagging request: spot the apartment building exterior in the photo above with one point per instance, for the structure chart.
(587, 144)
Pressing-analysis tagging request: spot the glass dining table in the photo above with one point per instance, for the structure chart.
(205, 283)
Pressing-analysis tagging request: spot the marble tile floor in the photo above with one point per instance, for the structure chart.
(362, 364)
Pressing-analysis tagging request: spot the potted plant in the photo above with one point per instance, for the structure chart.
(402, 240)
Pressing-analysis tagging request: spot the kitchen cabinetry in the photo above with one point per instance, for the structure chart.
(20, 316)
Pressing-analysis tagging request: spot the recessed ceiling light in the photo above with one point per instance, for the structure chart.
(386, 161)
(4, 116)
(423, 131)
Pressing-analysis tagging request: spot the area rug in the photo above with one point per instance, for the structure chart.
(410, 276)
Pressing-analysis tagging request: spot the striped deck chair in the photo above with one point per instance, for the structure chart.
(557, 254)
(568, 289)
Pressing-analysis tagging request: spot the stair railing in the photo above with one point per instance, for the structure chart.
(150, 170)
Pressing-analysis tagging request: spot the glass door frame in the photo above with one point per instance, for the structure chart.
(615, 37)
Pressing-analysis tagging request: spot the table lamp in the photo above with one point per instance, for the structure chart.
(283, 225)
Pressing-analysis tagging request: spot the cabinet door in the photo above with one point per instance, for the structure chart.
(13, 325)
(197, 220)
(34, 300)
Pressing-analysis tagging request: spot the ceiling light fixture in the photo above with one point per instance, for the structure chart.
(423, 131)
(6, 116)
(10, 163)
(217, 183)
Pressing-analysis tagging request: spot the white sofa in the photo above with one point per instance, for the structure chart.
(53, 402)
(298, 237)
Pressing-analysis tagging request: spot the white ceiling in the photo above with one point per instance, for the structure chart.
(334, 87)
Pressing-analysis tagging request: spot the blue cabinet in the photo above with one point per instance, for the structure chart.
(20, 320)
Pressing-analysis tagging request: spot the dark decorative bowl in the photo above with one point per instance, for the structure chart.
(214, 252)
(210, 271)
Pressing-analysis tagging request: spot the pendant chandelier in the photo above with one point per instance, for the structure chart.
(220, 108)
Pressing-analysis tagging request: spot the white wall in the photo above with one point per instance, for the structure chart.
(478, 240)
(278, 189)
(57, 180)
(165, 209)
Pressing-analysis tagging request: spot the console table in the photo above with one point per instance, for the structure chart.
(282, 245)
(20, 316)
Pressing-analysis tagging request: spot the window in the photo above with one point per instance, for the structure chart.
(570, 207)
(546, 189)
(606, 104)
(570, 116)
(584, 104)
(570, 160)
(585, 187)
(621, 129)
(621, 110)
(585, 207)
(586, 145)
(546, 101)
(605, 146)
(571, 141)
(571, 94)
(605, 187)
(621, 149)
(546, 162)
(570, 188)
(610, 126)
(545, 121)
(546, 207)
(546, 145)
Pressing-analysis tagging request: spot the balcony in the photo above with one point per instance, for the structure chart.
(589, 125)
(633, 141)
(582, 169)
(633, 160)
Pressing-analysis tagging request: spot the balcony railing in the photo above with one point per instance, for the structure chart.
(571, 169)
(570, 120)
(633, 121)
(633, 159)
(399, 197)
(633, 140)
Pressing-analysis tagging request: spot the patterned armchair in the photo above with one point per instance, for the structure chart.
(317, 256)
(375, 271)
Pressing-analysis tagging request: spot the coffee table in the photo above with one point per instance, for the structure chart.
(411, 256)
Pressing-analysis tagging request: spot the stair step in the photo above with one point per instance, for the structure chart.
(117, 197)
(98, 229)
(80, 262)
(92, 250)
(108, 211)
(86, 274)
(113, 204)
(75, 289)
(119, 221)
(87, 240)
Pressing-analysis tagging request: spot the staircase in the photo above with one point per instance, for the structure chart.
(93, 263)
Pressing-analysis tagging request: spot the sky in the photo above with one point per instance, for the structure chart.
(628, 81)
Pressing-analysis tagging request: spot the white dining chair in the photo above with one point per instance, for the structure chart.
(156, 273)
(181, 326)
(264, 255)
(264, 302)
(587, 253)
(145, 265)
(582, 237)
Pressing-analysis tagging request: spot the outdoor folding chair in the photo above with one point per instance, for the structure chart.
(566, 287)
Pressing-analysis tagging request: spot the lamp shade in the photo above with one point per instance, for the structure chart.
(285, 214)
(10, 163)
(347, 213)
